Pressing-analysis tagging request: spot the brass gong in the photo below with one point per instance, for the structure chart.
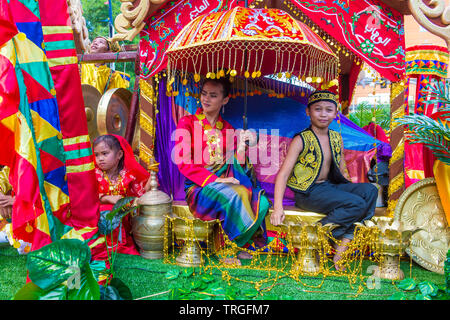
(91, 98)
(113, 111)
(421, 206)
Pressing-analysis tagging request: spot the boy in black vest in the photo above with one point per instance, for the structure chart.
(315, 170)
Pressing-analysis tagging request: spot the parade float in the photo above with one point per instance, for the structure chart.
(284, 51)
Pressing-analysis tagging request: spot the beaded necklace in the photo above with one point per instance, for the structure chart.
(114, 188)
(213, 138)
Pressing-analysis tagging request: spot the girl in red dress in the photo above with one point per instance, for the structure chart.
(118, 175)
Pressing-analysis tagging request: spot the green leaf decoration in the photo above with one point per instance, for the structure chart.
(198, 285)
(119, 207)
(438, 92)
(105, 225)
(271, 297)
(407, 284)
(172, 274)
(433, 133)
(231, 293)
(428, 289)
(109, 293)
(398, 296)
(200, 296)
(29, 291)
(250, 293)
(87, 287)
(56, 262)
(98, 268)
(422, 297)
(216, 289)
(123, 290)
(177, 292)
(110, 220)
(207, 278)
(188, 272)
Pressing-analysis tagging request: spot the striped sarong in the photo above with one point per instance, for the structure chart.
(241, 208)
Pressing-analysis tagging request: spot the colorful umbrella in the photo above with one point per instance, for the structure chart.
(251, 43)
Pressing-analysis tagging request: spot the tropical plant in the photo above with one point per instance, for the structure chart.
(425, 290)
(434, 131)
(63, 270)
(206, 287)
(365, 113)
(60, 271)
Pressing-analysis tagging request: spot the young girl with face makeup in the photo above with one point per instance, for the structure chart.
(118, 175)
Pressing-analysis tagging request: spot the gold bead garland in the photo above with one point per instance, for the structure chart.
(278, 265)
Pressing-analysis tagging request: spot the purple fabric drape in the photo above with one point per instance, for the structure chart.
(171, 181)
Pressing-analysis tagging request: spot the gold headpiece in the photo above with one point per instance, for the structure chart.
(322, 95)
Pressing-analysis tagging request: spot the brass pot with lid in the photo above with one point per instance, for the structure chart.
(148, 226)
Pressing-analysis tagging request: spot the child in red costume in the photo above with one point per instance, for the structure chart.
(118, 175)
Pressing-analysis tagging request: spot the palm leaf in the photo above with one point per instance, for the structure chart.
(438, 93)
(435, 134)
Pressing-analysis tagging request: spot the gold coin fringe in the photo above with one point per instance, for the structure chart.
(278, 85)
(279, 265)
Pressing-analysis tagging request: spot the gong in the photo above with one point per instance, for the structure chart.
(91, 98)
(113, 111)
(420, 206)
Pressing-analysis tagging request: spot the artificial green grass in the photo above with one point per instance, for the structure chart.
(147, 280)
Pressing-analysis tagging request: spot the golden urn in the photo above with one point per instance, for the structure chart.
(393, 237)
(148, 226)
(192, 231)
(308, 238)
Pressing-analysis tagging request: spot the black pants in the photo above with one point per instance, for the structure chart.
(344, 204)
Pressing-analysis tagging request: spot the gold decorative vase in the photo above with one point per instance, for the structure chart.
(307, 238)
(192, 231)
(148, 226)
(393, 237)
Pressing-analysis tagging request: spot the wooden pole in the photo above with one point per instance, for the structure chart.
(397, 142)
(134, 108)
(125, 56)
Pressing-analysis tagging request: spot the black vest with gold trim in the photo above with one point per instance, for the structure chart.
(309, 162)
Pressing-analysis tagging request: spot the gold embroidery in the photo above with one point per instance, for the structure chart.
(213, 139)
(320, 95)
(309, 161)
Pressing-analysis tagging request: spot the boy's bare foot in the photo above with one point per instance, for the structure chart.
(231, 261)
(259, 242)
(245, 255)
(339, 254)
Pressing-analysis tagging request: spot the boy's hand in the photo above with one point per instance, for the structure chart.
(277, 217)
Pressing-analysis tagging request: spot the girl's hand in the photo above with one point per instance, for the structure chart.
(110, 199)
(228, 180)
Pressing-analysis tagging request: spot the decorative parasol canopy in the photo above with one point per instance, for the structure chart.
(251, 43)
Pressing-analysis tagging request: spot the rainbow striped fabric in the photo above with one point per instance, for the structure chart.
(50, 158)
(240, 208)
